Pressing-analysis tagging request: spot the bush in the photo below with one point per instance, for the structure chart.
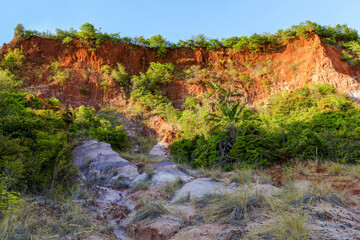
(67, 40)
(87, 31)
(8, 81)
(19, 32)
(159, 43)
(120, 76)
(13, 59)
(116, 137)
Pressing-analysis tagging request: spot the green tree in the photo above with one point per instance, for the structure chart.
(19, 32)
(160, 43)
(87, 31)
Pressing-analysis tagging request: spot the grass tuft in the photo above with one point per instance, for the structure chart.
(150, 210)
(142, 186)
(214, 174)
(47, 219)
(171, 187)
(334, 168)
(230, 207)
(287, 225)
(242, 176)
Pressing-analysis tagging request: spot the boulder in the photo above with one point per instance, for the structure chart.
(199, 188)
(167, 171)
(103, 166)
(159, 150)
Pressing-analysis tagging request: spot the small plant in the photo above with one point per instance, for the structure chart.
(142, 185)
(213, 173)
(349, 58)
(229, 207)
(150, 210)
(170, 188)
(83, 90)
(67, 40)
(303, 168)
(354, 170)
(321, 191)
(46, 219)
(288, 225)
(334, 168)
(14, 59)
(242, 176)
(61, 77)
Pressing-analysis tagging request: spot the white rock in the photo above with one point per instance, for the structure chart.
(199, 188)
(102, 165)
(159, 150)
(167, 171)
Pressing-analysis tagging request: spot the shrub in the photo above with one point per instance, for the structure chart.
(87, 31)
(67, 40)
(13, 59)
(120, 76)
(116, 137)
(19, 32)
(61, 77)
(8, 81)
(159, 43)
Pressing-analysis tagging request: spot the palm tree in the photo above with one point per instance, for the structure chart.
(229, 111)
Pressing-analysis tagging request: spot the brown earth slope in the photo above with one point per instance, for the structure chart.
(290, 66)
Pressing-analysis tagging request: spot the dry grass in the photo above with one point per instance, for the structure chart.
(286, 225)
(242, 176)
(50, 220)
(170, 188)
(303, 168)
(320, 191)
(142, 186)
(230, 207)
(151, 210)
(291, 194)
(354, 170)
(334, 168)
(214, 174)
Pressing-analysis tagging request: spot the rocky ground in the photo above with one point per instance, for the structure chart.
(165, 200)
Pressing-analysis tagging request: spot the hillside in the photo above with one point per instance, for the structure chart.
(107, 137)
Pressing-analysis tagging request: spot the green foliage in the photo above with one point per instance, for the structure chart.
(59, 76)
(67, 40)
(150, 82)
(99, 128)
(120, 76)
(35, 154)
(159, 43)
(87, 31)
(229, 111)
(309, 123)
(14, 59)
(116, 137)
(19, 32)
(8, 81)
(340, 35)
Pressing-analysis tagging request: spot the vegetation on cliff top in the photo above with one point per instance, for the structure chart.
(341, 36)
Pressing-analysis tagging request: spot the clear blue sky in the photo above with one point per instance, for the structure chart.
(175, 19)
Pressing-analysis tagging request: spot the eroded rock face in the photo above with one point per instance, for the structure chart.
(101, 165)
(167, 171)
